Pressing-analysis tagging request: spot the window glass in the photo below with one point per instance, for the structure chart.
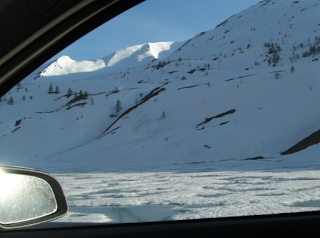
(177, 110)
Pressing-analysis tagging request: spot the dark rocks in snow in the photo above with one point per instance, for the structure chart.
(16, 129)
(189, 86)
(255, 158)
(218, 116)
(223, 123)
(18, 122)
(76, 99)
(77, 105)
(240, 77)
(222, 23)
(305, 143)
(172, 72)
(196, 163)
(191, 71)
(153, 93)
(201, 69)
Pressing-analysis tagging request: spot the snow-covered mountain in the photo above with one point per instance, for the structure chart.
(249, 88)
(135, 56)
(65, 65)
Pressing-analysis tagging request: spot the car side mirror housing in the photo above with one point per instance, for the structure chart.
(29, 197)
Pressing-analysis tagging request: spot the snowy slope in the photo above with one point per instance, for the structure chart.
(225, 94)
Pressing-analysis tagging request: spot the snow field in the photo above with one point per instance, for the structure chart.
(190, 195)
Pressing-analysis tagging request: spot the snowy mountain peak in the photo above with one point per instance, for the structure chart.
(66, 65)
(63, 59)
(120, 60)
(139, 55)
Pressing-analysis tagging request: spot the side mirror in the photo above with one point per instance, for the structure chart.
(29, 197)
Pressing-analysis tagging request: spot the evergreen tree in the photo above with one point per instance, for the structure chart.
(275, 58)
(23, 98)
(86, 94)
(69, 93)
(292, 69)
(50, 90)
(57, 90)
(91, 99)
(80, 93)
(10, 101)
(183, 78)
(118, 106)
(31, 97)
(163, 116)
(26, 89)
(116, 90)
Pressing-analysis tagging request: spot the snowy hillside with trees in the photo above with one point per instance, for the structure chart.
(246, 91)
(247, 88)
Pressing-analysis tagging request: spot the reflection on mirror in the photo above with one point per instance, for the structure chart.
(24, 197)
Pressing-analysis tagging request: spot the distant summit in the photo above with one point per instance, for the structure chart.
(66, 65)
(133, 56)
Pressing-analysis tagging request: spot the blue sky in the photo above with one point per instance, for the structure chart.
(154, 21)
